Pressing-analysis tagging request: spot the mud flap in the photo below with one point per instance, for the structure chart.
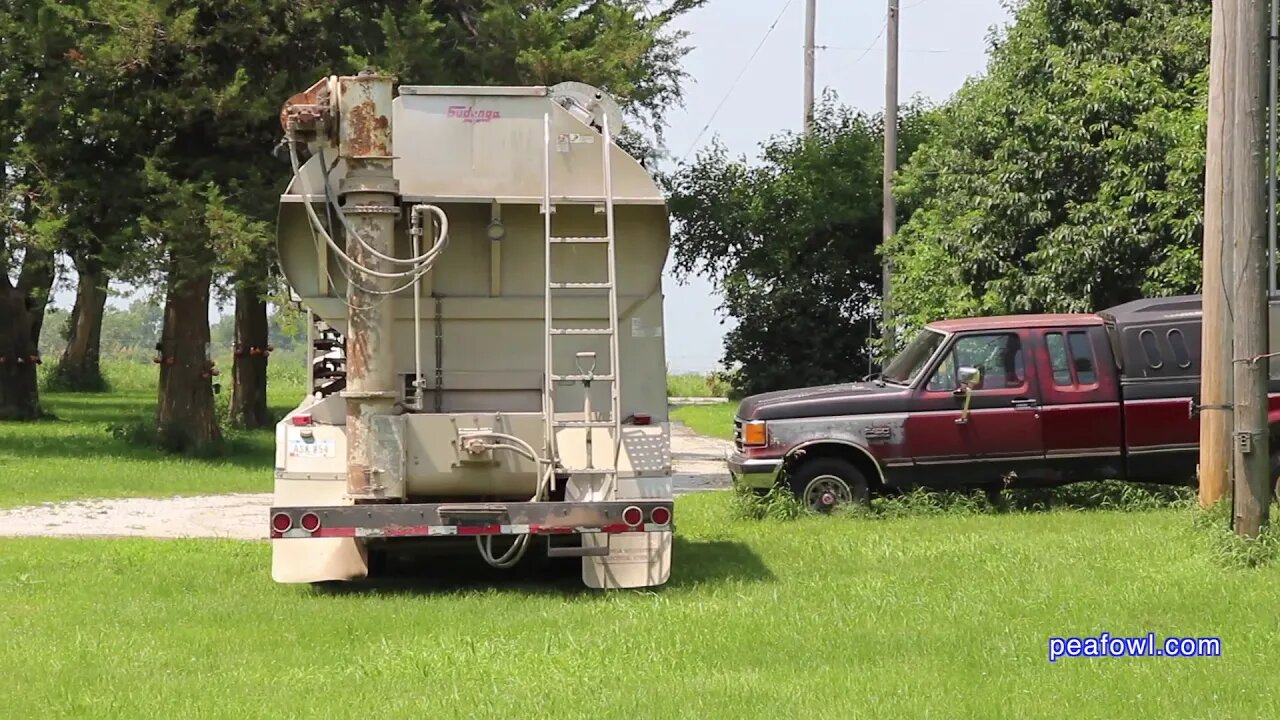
(309, 560)
(634, 559)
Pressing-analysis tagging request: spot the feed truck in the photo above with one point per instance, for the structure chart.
(484, 265)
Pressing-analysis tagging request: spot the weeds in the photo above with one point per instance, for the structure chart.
(780, 504)
(776, 504)
(1213, 527)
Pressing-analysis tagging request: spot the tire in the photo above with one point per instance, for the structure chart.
(825, 483)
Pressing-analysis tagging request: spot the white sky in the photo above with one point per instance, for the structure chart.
(942, 42)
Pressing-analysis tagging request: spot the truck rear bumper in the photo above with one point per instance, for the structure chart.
(753, 473)
(453, 519)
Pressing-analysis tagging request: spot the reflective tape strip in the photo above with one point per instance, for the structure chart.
(436, 530)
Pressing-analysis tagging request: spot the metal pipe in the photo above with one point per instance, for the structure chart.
(415, 234)
(371, 194)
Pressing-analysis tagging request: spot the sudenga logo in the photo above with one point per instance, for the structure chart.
(472, 115)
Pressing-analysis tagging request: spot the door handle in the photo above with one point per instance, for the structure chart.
(1025, 402)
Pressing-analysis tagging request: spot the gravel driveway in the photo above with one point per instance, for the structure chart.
(697, 466)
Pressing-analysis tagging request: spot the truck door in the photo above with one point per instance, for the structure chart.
(1001, 432)
(1081, 415)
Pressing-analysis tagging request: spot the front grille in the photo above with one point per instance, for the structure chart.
(737, 433)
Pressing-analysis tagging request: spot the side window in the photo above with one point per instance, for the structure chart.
(1179, 345)
(944, 378)
(1058, 361)
(1082, 358)
(1151, 349)
(1071, 359)
(998, 358)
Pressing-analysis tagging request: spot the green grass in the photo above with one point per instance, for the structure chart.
(75, 455)
(712, 420)
(945, 616)
(696, 385)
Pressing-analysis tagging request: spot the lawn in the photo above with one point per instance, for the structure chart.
(74, 455)
(944, 616)
(913, 615)
(715, 420)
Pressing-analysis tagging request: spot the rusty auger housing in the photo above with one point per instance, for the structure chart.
(443, 240)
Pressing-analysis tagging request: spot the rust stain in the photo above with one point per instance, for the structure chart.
(366, 133)
(305, 107)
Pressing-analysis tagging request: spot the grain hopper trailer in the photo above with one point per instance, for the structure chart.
(486, 263)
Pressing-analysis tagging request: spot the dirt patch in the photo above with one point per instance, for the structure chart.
(697, 465)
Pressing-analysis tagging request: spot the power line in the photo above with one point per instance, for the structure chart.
(747, 65)
(874, 40)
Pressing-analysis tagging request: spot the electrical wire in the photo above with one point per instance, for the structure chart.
(729, 92)
(874, 40)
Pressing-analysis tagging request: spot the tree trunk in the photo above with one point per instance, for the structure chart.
(35, 283)
(249, 376)
(19, 388)
(80, 369)
(185, 416)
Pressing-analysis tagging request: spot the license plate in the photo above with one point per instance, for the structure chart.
(311, 448)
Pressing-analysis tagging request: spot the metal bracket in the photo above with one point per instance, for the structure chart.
(1244, 442)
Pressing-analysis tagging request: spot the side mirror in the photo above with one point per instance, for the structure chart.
(968, 377)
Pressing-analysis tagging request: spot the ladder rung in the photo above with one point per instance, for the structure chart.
(581, 285)
(581, 331)
(583, 239)
(583, 423)
(579, 378)
(587, 471)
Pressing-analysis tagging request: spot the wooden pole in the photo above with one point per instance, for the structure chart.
(890, 166)
(810, 23)
(1250, 450)
(1215, 380)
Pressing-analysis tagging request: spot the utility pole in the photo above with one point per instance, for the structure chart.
(810, 22)
(1271, 147)
(890, 166)
(1251, 456)
(1216, 343)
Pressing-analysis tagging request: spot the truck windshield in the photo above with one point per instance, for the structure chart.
(908, 364)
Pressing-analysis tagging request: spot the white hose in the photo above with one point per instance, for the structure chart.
(422, 265)
(517, 550)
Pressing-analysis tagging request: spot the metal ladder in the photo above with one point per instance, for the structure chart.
(586, 376)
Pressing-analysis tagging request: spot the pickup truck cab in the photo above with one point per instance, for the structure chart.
(1013, 401)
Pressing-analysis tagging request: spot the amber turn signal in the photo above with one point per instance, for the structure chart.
(754, 433)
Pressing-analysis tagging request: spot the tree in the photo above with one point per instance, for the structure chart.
(791, 243)
(1070, 176)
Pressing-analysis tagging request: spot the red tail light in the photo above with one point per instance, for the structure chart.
(633, 516)
(302, 420)
(310, 522)
(281, 522)
(660, 516)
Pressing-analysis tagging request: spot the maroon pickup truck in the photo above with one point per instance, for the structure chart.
(1015, 401)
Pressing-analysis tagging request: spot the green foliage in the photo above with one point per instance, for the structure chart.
(697, 385)
(776, 504)
(1213, 528)
(1070, 176)
(791, 243)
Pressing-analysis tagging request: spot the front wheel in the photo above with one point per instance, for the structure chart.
(825, 483)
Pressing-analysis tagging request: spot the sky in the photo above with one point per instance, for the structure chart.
(941, 43)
